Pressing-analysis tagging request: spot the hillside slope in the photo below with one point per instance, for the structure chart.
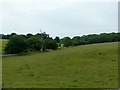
(85, 66)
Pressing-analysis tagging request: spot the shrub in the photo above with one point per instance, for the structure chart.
(50, 44)
(16, 44)
(66, 41)
(34, 43)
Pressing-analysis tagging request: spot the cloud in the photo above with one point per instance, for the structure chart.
(84, 18)
(65, 1)
(59, 18)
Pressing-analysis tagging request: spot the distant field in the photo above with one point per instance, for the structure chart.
(2, 44)
(85, 66)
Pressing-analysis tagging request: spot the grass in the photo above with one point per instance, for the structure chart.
(3, 42)
(85, 66)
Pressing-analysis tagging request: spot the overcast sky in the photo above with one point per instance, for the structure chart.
(59, 17)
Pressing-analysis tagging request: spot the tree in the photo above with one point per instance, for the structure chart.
(34, 43)
(16, 44)
(50, 44)
(29, 35)
(43, 36)
(5, 36)
(66, 41)
(76, 40)
(12, 34)
(57, 39)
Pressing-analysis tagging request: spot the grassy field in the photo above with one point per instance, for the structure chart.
(85, 66)
(2, 44)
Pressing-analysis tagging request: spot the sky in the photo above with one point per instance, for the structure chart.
(59, 17)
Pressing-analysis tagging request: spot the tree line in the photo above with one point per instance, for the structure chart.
(42, 41)
(24, 43)
(90, 39)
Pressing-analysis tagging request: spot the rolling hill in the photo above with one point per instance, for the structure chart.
(85, 66)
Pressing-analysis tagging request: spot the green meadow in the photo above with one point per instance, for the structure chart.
(85, 66)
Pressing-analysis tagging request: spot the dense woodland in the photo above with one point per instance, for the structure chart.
(42, 41)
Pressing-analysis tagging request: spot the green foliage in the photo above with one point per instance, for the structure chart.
(16, 44)
(34, 43)
(96, 38)
(29, 35)
(57, 39)
(43, 35)
(40, 42)
(50, 44)
(12, 34)
(66, 41)
(76, 40)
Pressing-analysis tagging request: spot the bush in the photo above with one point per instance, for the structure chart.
(76, 40)
(16, 44)
(50, 44)
(34, 43)
(66, 41)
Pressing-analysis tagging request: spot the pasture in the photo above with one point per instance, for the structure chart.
(85, 66)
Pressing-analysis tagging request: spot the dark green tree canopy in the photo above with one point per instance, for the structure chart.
(22, 43)
(76, 40)
(42, 41)
(16, 44)
(57, 39)
(66, 41)
(50, 44)
(34, 43)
